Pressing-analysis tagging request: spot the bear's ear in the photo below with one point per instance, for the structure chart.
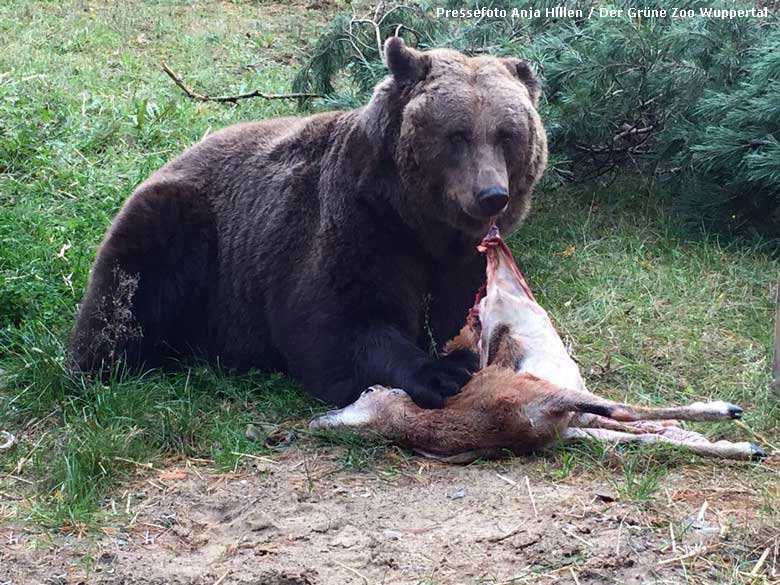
(406, 64)
(523, 71)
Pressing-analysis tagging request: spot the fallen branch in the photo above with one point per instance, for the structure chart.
(190, 93)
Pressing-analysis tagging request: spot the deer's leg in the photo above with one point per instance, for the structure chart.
(595, 421)
(370, 409)
(585, 402)
(688, 440)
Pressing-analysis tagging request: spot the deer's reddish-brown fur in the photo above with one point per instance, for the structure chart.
(529, 394)
(488, 416)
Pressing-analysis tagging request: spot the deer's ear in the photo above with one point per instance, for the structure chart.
(406, 64)
(524, 72)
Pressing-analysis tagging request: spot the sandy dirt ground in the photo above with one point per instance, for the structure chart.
(303, 519)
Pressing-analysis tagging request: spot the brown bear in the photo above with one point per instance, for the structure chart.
(332, 247)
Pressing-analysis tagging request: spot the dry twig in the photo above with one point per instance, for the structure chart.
(190, 93)
(26, 458)
(760, 562)
(506, 535)
(574, 576)
(255, 457)
(577, 537)
(353, 571)
(531, 495)
(700, 550)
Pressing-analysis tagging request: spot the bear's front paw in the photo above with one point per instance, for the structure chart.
(439, 379)
(464, 358)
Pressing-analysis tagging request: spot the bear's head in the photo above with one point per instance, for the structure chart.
(464, 134)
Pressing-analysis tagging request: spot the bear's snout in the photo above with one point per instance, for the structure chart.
(492, 200)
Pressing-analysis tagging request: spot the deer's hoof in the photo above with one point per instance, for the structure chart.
(735, 412)
(756, 452)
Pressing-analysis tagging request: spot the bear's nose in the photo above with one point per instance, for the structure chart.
(492, 200)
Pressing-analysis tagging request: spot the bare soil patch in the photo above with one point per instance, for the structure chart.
(302, 519)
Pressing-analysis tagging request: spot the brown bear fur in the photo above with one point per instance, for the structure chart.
(310, 245)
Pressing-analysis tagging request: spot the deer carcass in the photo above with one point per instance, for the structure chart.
(529, 392)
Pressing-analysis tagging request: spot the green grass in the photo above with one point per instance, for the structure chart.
(86, 114)
(654, 314)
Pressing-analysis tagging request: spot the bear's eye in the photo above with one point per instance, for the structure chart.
(459, 138)
(507, 137)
